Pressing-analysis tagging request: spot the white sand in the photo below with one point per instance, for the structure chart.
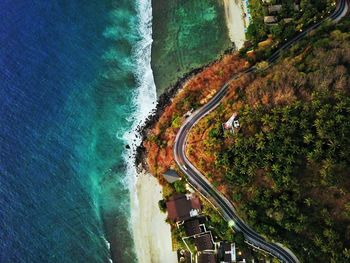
(235, 21)
(151, 233)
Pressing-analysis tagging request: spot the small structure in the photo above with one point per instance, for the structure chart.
(227, 252)
(274, 8)
(287, 20)
(188, 114)
(204, 242)
(206, 258)
(228, 125)
(232, 123)
(184, 256)
(192, 227)
(182, 207)
(270, 20)
(296, 7)
(171, 176)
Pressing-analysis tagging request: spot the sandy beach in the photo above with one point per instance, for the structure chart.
(235, 21)
(151, 232)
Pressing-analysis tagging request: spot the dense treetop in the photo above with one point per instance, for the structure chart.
(288, 167)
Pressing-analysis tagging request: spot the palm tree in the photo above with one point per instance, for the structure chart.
(308, 201)
(308, 138)
(290, 159)
(276, 168)
(276, 203)
(346, 253)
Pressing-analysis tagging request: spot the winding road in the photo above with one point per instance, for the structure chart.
(198, 180)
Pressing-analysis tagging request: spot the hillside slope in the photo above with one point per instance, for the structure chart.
(288, 166)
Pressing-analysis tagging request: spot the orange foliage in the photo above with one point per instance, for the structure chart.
(195, 92)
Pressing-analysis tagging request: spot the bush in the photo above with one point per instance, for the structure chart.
(162, 205)
(180, 186)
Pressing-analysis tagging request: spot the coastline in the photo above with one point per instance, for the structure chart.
(174, 90)
(153, 242)
(227, 64)
(152, 235)
(236, 23)
(162, 102)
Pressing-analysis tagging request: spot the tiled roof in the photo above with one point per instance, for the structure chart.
(182, 207)
(206, 258)
(204, 242)
(192, 227)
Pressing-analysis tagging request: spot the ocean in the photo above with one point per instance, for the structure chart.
(75, 83)
(187, 34)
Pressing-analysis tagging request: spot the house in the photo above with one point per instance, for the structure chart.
(182, 207)
(171, 176)
(296, 7)
(228, 125)
(270, 20)
(236, 124)
(204, 242)
(275, 8)
(232, 123)
(192, 227)
(206, 258)
(227, 252)
(288, 20)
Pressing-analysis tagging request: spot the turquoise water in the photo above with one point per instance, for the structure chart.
(71, 73)
(187, 35)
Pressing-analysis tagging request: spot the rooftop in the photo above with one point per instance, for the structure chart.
(171, 176)
(181, 207)
(204, 242)
(227, 252)
(270, 19)
(192, 227)
(275, 8)
(206, 258)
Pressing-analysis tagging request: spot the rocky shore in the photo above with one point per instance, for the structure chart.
(163, 101)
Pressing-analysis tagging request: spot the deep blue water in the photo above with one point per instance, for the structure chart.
(66, 85)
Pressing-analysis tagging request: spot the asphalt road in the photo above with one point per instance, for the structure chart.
(198, 180)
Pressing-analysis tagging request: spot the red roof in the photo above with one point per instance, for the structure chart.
(204, 242)
(182, 207)
(206, 258)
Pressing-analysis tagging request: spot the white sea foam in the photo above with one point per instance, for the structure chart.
(144, 98)
(107, 243)
(152, 236)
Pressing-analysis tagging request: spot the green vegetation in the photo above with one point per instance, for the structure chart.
(177, 233)
(176, 122)
(162, 205)
(180, 186)
(288, 167)
(217, 224)
(290, 19)
(300, 154)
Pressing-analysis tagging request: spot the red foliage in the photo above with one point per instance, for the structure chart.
(198, 90)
